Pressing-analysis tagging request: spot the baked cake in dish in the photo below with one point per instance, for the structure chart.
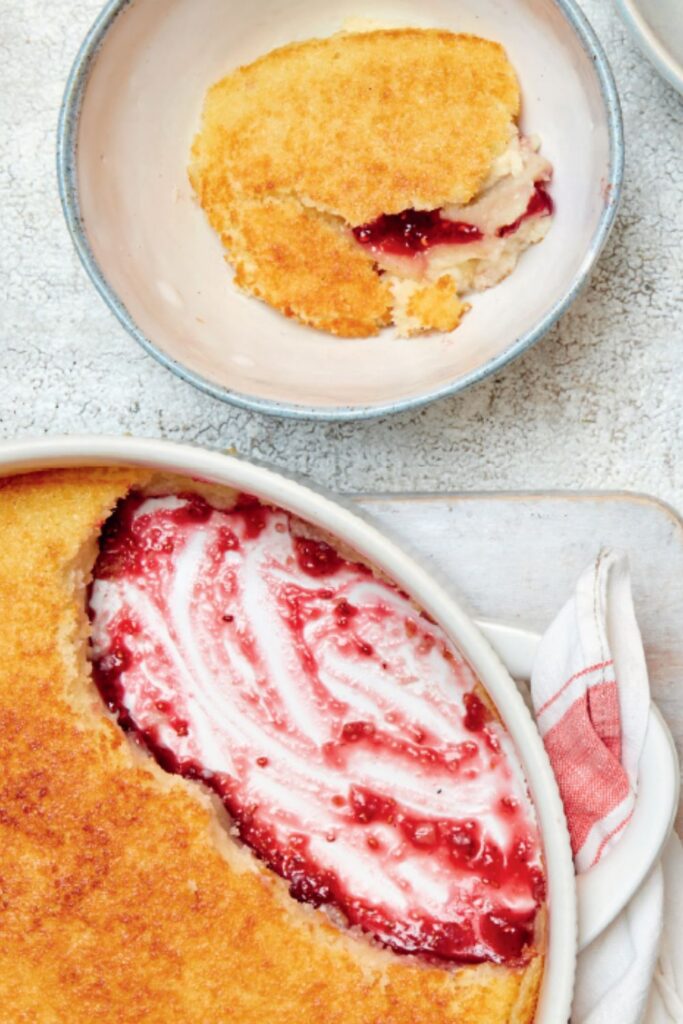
(231, 750)
(371, 177)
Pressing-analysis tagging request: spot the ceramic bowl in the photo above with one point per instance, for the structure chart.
(131, 107)
(657, 27)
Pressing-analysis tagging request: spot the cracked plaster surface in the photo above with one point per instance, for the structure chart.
(598, 404)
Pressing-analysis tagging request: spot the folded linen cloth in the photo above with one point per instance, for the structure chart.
(591, 697)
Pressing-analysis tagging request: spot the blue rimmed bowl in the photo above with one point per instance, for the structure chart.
(131, 107)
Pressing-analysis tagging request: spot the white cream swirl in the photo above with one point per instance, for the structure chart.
(337, 722)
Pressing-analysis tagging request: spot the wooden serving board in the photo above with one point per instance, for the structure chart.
(516, 557)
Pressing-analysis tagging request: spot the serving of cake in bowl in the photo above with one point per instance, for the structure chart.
(295, 213)
(372, 178)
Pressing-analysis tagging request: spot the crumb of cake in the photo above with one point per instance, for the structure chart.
(312, 143)
(427, 307)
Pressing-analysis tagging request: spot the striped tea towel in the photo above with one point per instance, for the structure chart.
(591, 696)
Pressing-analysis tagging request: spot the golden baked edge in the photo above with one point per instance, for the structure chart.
(123, 895)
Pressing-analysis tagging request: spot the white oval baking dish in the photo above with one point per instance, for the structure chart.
(556, 994)
(131, 107)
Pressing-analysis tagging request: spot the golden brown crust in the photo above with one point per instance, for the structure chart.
(363, 124)
(348, 127)
(306, 266)
(122, 896)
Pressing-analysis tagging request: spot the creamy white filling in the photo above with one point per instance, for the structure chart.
(246, 694)
(504, 198)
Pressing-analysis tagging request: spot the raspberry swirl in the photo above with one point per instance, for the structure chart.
(339, 725)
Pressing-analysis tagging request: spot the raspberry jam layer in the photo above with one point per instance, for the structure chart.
(339, 725)
(540, 205)
(415, 231)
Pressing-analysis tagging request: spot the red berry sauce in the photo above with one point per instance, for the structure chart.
(414, 231)
(339, 725)
(540, 205)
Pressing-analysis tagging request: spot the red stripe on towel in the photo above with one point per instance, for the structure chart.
(577, 675)
(611, 835)
(584, 749)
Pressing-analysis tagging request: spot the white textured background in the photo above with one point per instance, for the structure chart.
(598, 404)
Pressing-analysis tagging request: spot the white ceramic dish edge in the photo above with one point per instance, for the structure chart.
(27, 456)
